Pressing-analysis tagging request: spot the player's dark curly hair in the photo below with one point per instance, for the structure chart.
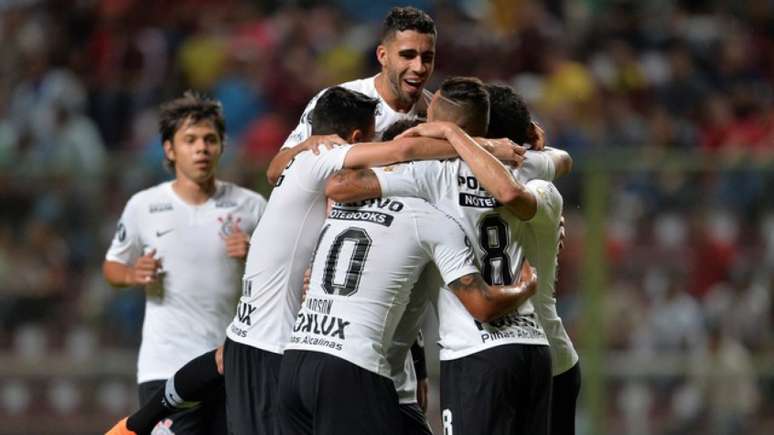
(341, 111)
(407, 18)
(399, 127)
(509, 116)
(469, 96)
(194, 107)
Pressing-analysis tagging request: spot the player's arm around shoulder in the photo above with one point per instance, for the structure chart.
(350, 185)
(487, 303)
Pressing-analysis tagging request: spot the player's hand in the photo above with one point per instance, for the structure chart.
(536, 136)
(504, 150)
(237, 243)
(562, 234)
(313, 143)
(219, 358)
(528, 280)
(436, 129)
(145, 270)
(423, 388)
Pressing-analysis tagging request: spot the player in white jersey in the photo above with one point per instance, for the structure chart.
(335, 377)
(281, 247)
(407, 57)
(509, 116)
(511, 345)
(185, 242)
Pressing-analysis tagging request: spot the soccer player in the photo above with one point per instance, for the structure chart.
(185, 242)
(282, 245)
(407, 56)
(491, 355)
(335, 377)
(507, 109)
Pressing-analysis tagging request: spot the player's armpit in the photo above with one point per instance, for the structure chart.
(350, 185)
(487, 303)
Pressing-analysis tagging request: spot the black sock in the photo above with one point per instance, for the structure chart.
(188, 386)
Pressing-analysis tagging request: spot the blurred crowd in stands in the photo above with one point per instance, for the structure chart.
(673, 100)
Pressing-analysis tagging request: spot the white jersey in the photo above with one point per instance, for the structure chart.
(385, 115)
(451, 185)
(280, 251)
(403, 372)
(369, 257)
(540, 240)
(186, 313)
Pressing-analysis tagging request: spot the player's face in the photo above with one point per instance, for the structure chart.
(408, 59)
(195, 149)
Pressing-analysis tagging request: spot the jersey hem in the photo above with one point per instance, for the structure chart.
(451, 355)
(564, 367)
(358, 363)
(273, 348)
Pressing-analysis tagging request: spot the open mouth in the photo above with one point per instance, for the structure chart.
(414, 85)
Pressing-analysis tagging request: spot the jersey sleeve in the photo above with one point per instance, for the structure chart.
(317, 168)
(446, 244)
(538, 165)
(415, 179)
(549, 205)
(126, 246)
(304, 128)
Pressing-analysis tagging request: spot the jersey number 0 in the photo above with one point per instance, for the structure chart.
(360, 242)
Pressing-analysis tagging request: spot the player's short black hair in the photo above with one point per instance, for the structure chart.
(469, 95)
(509, 116)
(342, 111)
(194, 107)
(407, 18)
(399, 127)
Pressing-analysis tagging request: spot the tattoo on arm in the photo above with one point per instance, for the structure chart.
(469, 283)
(355, 185)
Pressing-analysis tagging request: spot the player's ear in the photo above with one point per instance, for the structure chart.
(169, 150)
(356, 136)
(381, 54)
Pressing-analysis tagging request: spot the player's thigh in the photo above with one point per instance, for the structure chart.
(251, 382)
(414, 420)
(478, 393)
(295, 380)
(534, 406)
(564, 397)
(352, 400)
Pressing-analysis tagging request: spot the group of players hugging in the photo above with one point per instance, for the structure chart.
(389, 202)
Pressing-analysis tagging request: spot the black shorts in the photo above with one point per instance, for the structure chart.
(566, 387)
(208, 418)
(414, 420)
(504, 390)
(251, 376)
(325, 395)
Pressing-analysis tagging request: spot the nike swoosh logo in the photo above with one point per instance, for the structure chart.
(162, 233)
